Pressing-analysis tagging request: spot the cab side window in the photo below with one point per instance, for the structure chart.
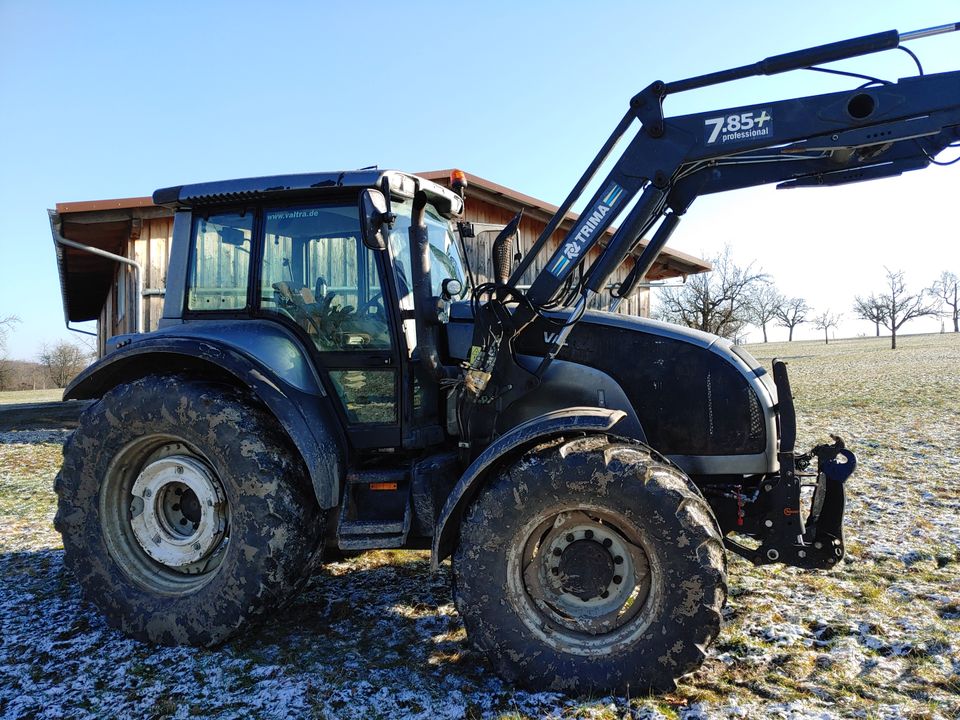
(220, 261)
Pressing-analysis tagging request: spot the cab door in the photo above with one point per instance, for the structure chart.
(316, 272)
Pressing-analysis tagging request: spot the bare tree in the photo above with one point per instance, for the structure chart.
(715, 302)
(871, 309)
(947, 294)
(6, 370)
(64, 361)
(764, 301)
(900, 305)
(824, 321)
(793, 312)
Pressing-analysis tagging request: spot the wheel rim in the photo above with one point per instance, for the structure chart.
(178, 511)
(164, 515)
(586, 580)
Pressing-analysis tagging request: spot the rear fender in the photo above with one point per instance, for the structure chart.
(303, 411)
(559, 422)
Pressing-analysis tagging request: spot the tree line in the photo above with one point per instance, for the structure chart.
(55, 366)
(730, 298)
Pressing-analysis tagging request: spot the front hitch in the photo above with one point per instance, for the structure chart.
(786, 537)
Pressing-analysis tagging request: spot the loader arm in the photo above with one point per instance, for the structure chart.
(878, 130)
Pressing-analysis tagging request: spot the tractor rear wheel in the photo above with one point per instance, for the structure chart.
(591, 565)
(184, 512)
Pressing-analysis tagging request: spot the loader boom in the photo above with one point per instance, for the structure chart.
(880, 129)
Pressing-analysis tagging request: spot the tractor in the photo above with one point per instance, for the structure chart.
(329, 373)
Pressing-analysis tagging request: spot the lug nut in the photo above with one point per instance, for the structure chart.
(176, 506)
(607, 542)
(183, 521)
(617, 579)
(605, 594)
(588, 534)
(618, 560)
(555, 571)
(178, 491)
(557, 552)
(179, 469)
(196, 546)
(570, 537)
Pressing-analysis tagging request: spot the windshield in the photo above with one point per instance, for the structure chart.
(445, 259)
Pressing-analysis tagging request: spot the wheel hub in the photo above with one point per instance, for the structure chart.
(586, 574)
(178, 511)
(586, 569)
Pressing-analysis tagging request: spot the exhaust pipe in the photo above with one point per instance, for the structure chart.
(425, 316)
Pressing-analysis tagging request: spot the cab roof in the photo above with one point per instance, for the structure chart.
(269, 187)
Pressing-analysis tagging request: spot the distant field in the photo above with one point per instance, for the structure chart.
(9, 397)
(377, 636)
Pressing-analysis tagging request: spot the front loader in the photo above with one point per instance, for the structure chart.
(327, 371)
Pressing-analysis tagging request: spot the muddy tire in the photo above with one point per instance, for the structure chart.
(185, 514)
(591, 565)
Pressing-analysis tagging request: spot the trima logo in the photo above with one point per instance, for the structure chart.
(584, 234)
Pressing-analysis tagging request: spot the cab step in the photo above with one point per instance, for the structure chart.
(376, 510)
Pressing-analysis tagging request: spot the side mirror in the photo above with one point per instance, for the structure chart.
(232, 236)
(374, 214)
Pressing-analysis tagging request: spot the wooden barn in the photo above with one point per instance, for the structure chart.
(96, 284)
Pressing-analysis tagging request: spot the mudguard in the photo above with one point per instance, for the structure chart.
(558, 422)
(303, 411)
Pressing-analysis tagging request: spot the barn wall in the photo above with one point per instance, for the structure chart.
(482, 211)
(149, 245)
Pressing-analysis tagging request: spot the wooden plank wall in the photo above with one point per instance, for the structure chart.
(152, 251)
(479, 254)
(151, 248)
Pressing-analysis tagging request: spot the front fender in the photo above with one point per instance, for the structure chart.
(304, 413)
(558, 422)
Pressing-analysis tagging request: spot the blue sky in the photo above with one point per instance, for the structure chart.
(115, 99)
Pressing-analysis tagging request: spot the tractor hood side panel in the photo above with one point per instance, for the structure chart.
(701, 401)
(706, 405)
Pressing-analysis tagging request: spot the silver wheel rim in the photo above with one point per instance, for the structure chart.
(164, 515)
(584, 581)
(178, 511)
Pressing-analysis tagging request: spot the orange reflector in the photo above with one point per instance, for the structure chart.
(383, 486)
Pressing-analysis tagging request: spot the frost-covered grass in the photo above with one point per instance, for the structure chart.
(377, 635)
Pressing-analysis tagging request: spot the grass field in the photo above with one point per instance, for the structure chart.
(378, 637)
(10, 397)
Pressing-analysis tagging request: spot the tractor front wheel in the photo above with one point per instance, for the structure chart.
(591, 565)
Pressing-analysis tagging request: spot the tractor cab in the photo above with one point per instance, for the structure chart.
(327, 257)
